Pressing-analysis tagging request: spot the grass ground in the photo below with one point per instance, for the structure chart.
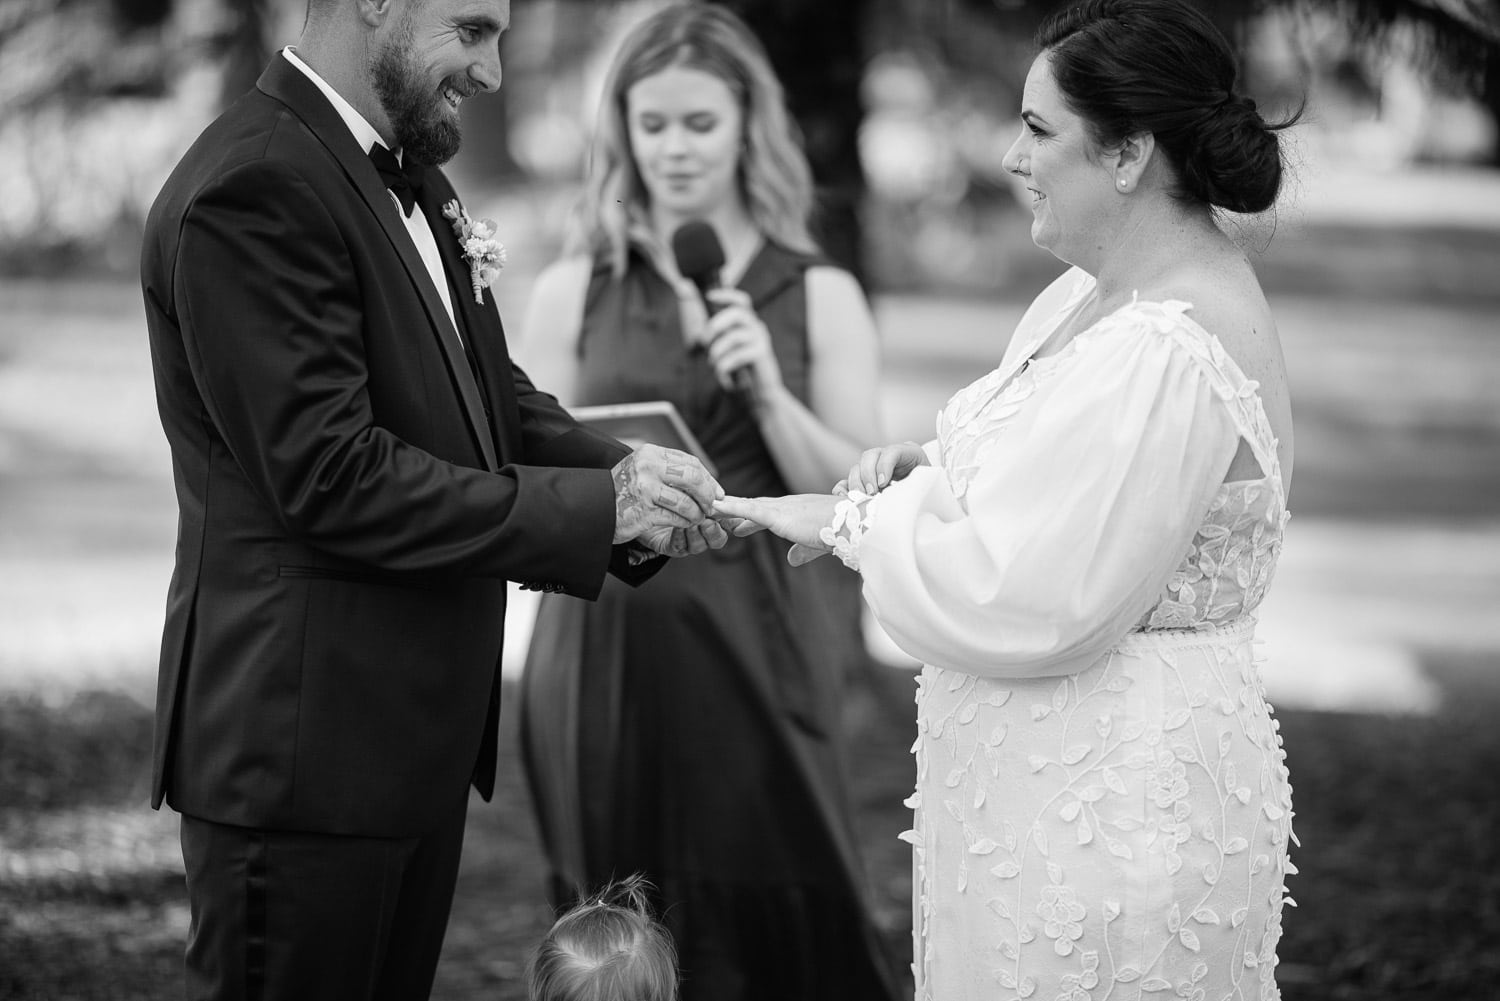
(1398, 897)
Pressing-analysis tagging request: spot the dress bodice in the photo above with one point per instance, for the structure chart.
(1228, 565)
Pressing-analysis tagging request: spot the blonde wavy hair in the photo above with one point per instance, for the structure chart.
(774, 179)
(609, 947)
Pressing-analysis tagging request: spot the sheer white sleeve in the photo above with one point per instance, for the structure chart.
(1046, 548)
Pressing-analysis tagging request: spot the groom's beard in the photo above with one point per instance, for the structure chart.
(419, 116)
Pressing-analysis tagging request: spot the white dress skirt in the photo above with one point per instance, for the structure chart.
(1102, 807)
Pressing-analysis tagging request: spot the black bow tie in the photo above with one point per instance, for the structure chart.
(404, 181)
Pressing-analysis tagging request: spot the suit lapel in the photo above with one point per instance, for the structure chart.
(287, 84)
(481, 322)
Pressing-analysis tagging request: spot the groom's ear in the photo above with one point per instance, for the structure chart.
(374, 12)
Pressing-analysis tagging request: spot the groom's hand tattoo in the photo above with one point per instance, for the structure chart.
(630, 507)
(658, 488)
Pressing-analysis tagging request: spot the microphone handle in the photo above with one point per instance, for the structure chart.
(709, 283)
(743, 378)
(744, 384)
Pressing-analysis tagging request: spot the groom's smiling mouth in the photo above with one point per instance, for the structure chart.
(452, 95)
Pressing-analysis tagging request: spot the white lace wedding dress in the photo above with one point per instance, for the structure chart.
(1102, 809)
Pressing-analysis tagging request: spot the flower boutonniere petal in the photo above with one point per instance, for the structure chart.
(485, 254)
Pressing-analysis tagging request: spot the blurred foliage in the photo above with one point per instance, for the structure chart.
(1399, 829)
(1460, 39)
(89, 750)
(72, 52)
(820, 52)
(98, 98)
(95, 99)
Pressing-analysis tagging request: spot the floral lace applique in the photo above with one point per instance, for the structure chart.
(1056, 787)
(1229, 563)
(852, 517)
(968, 425)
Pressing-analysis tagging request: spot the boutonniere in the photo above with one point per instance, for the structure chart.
(485, 254)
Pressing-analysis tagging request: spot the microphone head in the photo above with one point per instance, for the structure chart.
(698, 253)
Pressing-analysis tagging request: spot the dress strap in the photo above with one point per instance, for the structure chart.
(1240, 393)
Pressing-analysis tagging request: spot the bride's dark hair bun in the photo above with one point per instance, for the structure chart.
(1232, 159)
(1161, 66)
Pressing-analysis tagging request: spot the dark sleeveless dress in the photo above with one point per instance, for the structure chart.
(688, 729)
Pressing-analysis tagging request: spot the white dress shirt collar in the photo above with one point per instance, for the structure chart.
(364, 133)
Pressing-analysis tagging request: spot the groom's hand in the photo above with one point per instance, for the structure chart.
(660, 489)
(684, 541)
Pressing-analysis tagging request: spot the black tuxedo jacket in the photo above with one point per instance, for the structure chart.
(353, 490)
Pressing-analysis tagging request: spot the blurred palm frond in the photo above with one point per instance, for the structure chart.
(1456, 41)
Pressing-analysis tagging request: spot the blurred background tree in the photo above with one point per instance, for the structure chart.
(906, 107)
(89, 90)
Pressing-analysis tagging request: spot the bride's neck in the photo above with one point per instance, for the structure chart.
(1151, 248)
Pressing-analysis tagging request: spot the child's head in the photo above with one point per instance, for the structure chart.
(607, 948)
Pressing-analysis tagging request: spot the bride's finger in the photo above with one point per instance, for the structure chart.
(739, 515)
(800, 554)
(740, 507)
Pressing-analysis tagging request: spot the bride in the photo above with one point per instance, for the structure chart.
(1101, 803)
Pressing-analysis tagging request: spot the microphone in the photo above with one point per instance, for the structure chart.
(700, 256)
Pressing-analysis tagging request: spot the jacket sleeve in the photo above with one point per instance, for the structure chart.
(273, 323)
(1080, 508)
(554, 438)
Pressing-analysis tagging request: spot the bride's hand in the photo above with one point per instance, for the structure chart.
(797, 518)
(878, 468)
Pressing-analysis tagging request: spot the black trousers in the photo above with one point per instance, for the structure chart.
(285, 916)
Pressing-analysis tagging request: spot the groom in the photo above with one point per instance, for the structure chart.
(359, 470)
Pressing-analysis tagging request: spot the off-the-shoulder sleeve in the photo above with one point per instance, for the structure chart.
(1083, 505)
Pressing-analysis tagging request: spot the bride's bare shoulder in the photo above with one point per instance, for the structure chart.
(1228, 302)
